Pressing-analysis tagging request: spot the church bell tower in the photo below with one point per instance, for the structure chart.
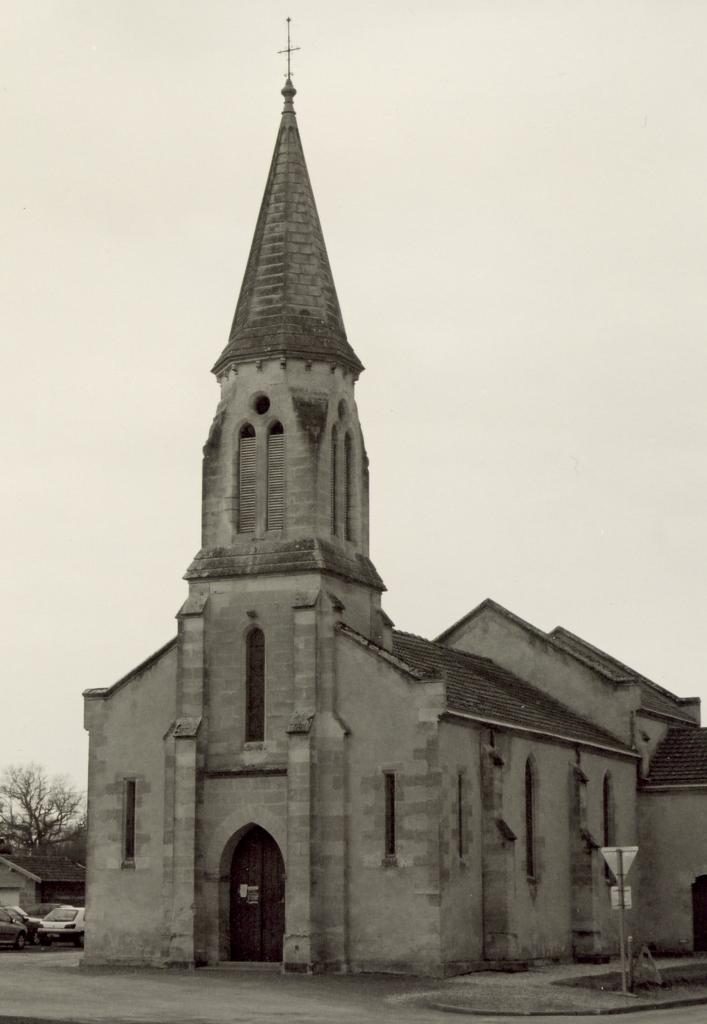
(259, 747)
(285, 485)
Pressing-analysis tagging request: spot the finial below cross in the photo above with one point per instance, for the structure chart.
(290, 49)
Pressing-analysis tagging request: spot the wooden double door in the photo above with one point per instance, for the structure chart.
(257, 898)
(699, 913)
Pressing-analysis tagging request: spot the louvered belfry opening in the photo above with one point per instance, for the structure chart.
(255, 687)
(334, 473)
(246, 479)
(348, 488)
(276, 478)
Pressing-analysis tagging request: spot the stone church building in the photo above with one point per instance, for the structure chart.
(291, 779)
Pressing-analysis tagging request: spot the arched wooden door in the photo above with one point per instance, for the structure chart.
(699, 913)
(257, 898)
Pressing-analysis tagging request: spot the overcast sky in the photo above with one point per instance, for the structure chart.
(513, 200)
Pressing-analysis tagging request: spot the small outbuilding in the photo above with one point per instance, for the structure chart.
(27, 880)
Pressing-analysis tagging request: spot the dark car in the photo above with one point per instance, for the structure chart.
(20, 916)
(11, 933)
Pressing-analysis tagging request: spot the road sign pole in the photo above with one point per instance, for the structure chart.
(619, 860)
(622, 923)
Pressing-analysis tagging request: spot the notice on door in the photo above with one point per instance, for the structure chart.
(253, 894)
(243, 890)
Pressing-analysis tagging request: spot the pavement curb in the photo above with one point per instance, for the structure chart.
(668, 1004)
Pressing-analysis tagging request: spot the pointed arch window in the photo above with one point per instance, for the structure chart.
(607, 809)
(530, 853)
(255, 687)
(334, 474)
(246, 479)
(276, 477)
(348, 487)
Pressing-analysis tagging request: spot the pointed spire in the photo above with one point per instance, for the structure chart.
(288, 304)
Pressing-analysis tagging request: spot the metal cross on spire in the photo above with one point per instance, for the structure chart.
(290, 49)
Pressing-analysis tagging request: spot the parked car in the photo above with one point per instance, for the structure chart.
(64, 924)
(21, 916)
(40, 910)
(11, 933)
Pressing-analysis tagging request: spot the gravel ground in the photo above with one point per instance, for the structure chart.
(537, 991)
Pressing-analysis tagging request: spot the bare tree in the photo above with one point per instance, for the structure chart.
(38, 811)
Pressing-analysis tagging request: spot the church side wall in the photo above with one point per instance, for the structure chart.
(623, 774)
(393, 903)
(541, 907)
(461, 856)
(672, 854)
(564, 909)
(123, 917)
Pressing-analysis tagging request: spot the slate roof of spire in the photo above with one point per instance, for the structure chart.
(288, 304)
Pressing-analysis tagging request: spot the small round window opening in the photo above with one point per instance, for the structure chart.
(261, 404)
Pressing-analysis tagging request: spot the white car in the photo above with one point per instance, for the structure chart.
(63, 924)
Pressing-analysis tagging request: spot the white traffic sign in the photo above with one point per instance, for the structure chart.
(619, 859)
(616, 897)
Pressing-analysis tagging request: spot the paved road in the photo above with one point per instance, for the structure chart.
(42, 985)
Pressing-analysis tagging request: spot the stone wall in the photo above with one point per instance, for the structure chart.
(672, 854)
(461, 856)
(393, 903)
(126, 918)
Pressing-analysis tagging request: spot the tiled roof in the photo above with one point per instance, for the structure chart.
(480, 687)
(288, 303)
(680, 759)
(49, 869)
(653, 697)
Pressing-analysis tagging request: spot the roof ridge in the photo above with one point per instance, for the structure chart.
(489, 602)
(633, 673)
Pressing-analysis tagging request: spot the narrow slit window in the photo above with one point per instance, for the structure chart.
(246, 479)
(348, 487)
(276, 478)
(530, 865)
(460, 814)
(334, 474)
(255, 687)
(129, 821)
(608, 819)
(389, 781)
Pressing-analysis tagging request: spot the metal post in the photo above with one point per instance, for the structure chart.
(620, 880)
